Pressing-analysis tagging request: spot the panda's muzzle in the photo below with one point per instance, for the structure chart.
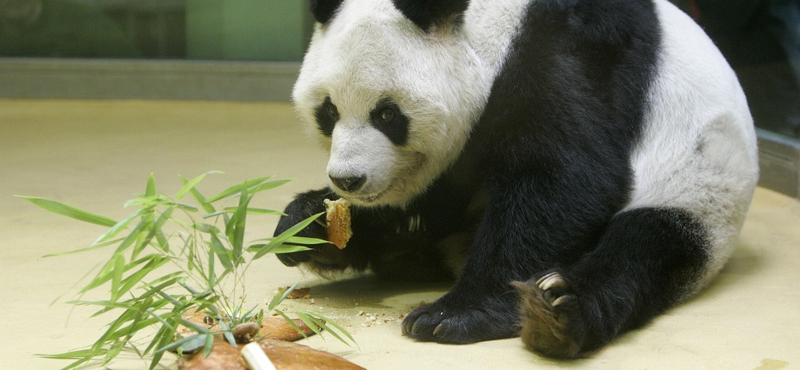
(348, 184)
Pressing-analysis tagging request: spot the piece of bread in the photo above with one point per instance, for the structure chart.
(338, 222)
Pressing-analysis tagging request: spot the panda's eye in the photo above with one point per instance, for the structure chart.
(327, 115)
(331, 110)
(387, 114)
(389, 119)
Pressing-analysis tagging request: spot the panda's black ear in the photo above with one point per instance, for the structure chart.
(324, 10)
(424, 13)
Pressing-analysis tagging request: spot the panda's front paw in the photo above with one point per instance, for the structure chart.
(452, 320)
(303, 206)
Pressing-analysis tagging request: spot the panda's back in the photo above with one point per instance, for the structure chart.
(697, 151)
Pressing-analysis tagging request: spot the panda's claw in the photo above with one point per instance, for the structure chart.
(551, 280)
(552, 322)
(437, 329)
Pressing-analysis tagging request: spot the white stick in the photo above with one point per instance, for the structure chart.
(256, 358)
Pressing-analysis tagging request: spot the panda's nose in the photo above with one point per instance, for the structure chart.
(350, 183)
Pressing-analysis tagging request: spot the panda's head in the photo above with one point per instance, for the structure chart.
(391, 88)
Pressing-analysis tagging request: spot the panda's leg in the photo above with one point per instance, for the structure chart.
(483, 304)
(647, 261)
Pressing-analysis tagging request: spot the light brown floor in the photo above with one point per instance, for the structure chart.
(98, 154)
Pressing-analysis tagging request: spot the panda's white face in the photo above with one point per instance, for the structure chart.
(393, 104)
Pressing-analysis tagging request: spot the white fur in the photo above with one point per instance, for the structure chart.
(698, 150)
(440, 79)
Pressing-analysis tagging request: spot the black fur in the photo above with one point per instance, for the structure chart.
(551, 154)
(390, 120)
(327, 115)
(324, 10)
(424, 13)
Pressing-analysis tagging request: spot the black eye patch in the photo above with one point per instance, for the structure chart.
(327, 115)
(390, 120)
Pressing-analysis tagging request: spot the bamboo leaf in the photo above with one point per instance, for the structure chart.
(102, 277)
(163, 282)
(205, 228)
(252, 211)
(135, 234)
(164, 336)
(310, 323)
(268, 185)
(226, 332)
(306, 241)
(116, 274)
(70, 211)
(236, 189)
(71, 355)
(175, 302)
(155, 229)
(280, 249)
(278, 298)
(292, 324)
(131, 280)
(225, 255)
(235, 227)
(194, 326)
(81, 250)
(286, 248)
(284, 236)
(185, 345)
(338, 327)
(189, 185)
(117, 228)
(209, 343)
(317, 324)
(215, 214)
(150, 190)
(212, 275)
(199, 197)
(108, 335)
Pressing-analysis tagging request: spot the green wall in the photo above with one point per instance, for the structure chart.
(271, 30)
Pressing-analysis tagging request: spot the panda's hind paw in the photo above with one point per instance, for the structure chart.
(552, 323)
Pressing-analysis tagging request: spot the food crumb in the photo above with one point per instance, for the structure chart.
(299, 293)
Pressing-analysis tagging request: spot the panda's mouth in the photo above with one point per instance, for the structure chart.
(396, 189)
(370, 198)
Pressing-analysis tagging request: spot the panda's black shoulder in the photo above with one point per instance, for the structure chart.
(582, 67)
(569, 104)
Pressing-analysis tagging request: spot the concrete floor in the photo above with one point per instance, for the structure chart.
(98, 154)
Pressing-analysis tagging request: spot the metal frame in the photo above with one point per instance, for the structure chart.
(35, 78)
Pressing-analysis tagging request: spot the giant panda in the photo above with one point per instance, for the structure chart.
(576, 167)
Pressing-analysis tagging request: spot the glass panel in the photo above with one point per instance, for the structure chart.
(269, 30)
(761, 40)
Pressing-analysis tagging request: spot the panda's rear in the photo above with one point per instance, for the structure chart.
(589, 162)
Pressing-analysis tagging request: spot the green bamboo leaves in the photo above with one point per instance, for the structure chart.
(169, 258)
